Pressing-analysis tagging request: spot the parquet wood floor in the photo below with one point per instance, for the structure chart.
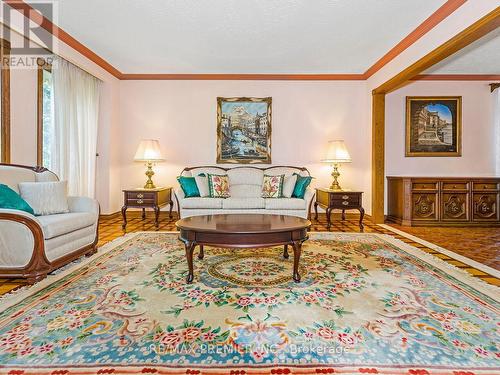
(480, 244)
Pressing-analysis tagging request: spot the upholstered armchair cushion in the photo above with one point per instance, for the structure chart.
(57, 225)
(46, 198)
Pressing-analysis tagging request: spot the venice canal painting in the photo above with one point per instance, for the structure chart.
(433, 126)
(244, 130)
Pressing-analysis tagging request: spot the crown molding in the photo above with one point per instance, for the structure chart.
(456, 77)
(246, 77)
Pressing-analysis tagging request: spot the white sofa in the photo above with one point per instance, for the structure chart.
(245, 187)
(32, 246)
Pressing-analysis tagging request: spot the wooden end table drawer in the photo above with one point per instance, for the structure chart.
(134, 195)
(153, 198)
(343, 204)
(140, 202)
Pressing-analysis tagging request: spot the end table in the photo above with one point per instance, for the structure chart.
(147, 198)
(341, 200)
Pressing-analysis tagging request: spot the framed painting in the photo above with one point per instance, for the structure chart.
(244, 130)
(433, 126)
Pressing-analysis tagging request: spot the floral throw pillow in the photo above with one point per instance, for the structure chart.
(218, 185)
(272, 186)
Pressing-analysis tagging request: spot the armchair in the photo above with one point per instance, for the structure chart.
(32, 246)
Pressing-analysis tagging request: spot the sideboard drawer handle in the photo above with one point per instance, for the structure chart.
(140, 201)
(345, 197)
(345, 203)
(140, 196)
(485, 187)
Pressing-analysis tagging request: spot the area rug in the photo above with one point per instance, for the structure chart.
(366, 304)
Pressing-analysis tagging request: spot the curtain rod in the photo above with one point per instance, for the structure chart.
(46, 49)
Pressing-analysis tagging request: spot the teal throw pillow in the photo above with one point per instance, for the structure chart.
(188, 186)
(300, 186)
(11, 200)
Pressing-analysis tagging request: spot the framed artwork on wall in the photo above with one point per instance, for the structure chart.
(433, 126)
(244, 130)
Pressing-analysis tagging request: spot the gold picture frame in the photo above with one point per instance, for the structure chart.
(433, 126)
(244, 130)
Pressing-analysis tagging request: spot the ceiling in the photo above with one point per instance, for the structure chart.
(479, 57)
(242, 36)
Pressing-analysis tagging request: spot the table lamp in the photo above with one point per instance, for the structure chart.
(337, 153)
(149, 152)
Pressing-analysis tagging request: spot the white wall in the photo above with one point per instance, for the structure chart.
(479, 153)
(182, 115)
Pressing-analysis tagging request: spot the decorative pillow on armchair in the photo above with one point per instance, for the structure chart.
(46, 198)
(272, 186)
(11, 200)
(218, 185)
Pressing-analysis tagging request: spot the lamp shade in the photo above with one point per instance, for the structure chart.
(337, 153)
(148, 150)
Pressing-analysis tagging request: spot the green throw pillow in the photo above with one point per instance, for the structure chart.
(188, 186)
(300, 186)
(11, 200)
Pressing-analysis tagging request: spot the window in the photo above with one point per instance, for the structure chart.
(45, 114)
(5, 105)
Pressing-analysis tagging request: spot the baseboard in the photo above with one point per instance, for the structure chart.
(134, 213)
(137, 213)
(109, 216)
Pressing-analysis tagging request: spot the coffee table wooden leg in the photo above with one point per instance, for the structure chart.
(189, 246)
(285, 252)
(297, 249)
(201, 254)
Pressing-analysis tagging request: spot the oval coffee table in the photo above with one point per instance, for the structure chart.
(243, 231)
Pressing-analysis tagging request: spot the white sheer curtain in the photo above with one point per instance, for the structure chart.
(76, 112)
(496, 119)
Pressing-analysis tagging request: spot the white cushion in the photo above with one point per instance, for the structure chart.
(237, 203)
(289, 185)
(245, 176)
(65, 244)
(46, 198)
(202, 184)
(205, 170)
(246, 191)
(285, 204)
(197, 202)
(57, 225)
(287, 171)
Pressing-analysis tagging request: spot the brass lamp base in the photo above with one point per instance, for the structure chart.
(335, 174)
(149, 173)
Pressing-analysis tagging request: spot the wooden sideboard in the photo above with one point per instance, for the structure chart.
(443, 201)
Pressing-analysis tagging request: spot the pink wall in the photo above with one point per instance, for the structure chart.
(182, 115)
